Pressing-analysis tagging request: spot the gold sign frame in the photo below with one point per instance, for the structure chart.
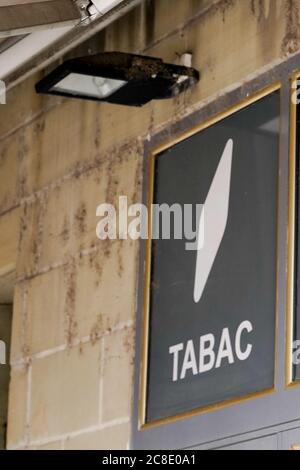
(290, 311)
(142, 424)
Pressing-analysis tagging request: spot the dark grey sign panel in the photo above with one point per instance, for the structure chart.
(212, 311)
(296, 311)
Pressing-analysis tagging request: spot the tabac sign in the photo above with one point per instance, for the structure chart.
(210, 305)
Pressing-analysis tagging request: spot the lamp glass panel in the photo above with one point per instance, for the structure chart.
(87, 85)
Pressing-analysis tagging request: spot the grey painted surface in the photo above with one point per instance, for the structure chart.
(265, 415)
(290, 439)
(282, 437)
(263, 443)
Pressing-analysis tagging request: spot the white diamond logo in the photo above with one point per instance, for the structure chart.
(213, 221)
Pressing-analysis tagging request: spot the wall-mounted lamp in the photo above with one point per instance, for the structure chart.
(119, 78)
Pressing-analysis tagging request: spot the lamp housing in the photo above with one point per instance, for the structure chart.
(120, 78)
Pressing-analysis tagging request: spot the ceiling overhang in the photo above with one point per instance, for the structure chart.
(35, 33)
(24, 16)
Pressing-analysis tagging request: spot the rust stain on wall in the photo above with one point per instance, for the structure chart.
(96, 330)
(23, 150)
(25, 348)
(137, 185)
(97, 138)
(71, 327)
(224, 6)
(259, 10)
(291, 40)
(96, 264)
(129, 343)
(38, 230)
(99, 328)
(31, 234)
(80, 218)
(120, 258)
(65, 233)
(23, 225)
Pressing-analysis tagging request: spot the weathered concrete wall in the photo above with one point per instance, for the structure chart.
(5, 337)
(74, 306)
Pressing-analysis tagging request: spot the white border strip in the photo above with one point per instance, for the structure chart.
(28, 47)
